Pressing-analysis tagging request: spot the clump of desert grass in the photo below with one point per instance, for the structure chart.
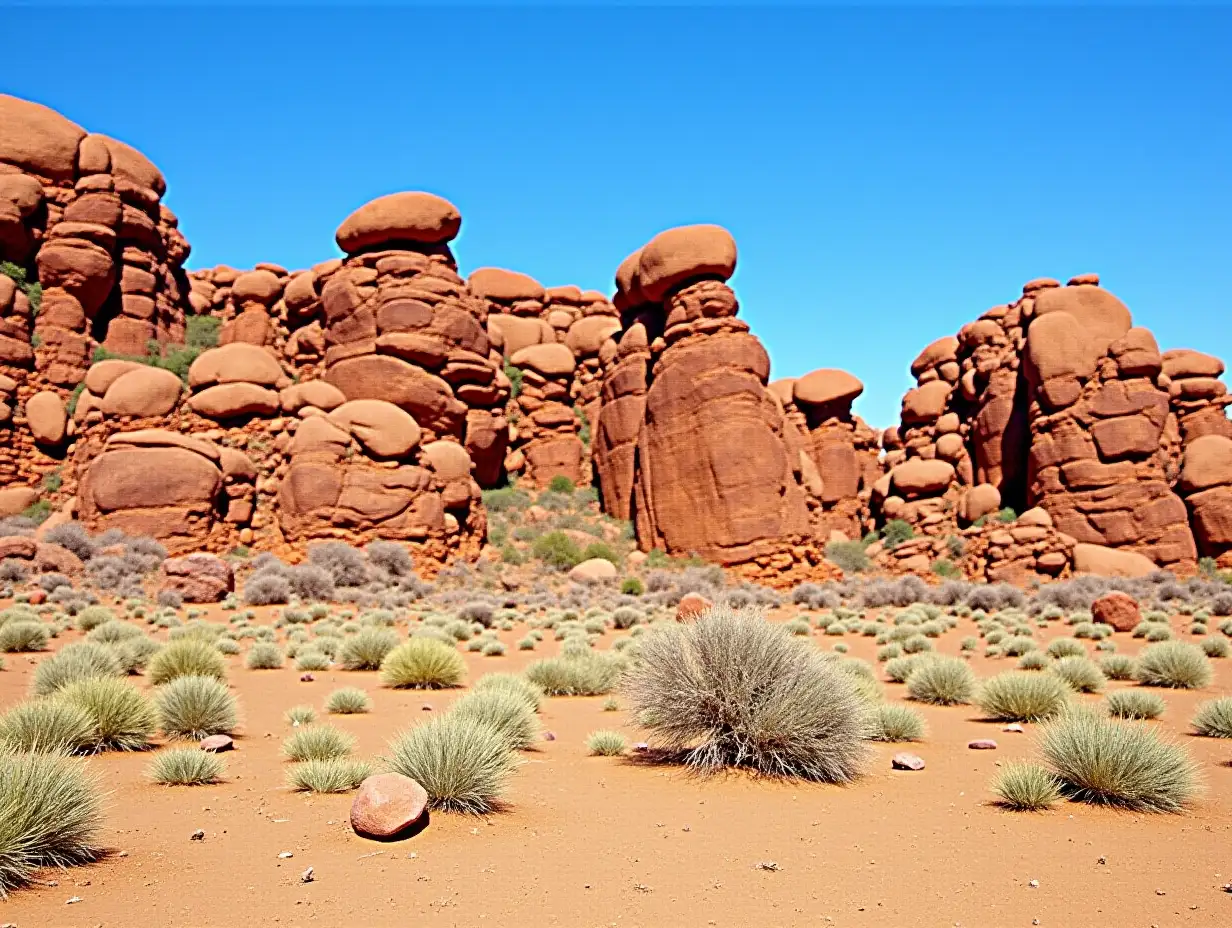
(185, 767)
(463, 763)
(264, 655)
(611, 743)
(300, 715)
(1081, 674)
(1214, 719)
(311, 659)
(186, 657)
(507, 712)
(80, 660)
(586, 673)
(46, 726)
(317, 742)
(513, 683)
(1026, 787)
(1118, 666)
(196, 707)
(1174, 664)
(328, 775)
(895, 724)
(24, 636)
(1134, 704)
(422, 663)
(350, 700)
(1125, 764)
(1065, 647)
(122, 718)
(942, 681)
(50, 815)
(367, 648)
(733, 690)
(1022, 696)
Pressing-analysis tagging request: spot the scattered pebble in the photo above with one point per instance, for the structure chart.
(426, 707)
(284, 855)
(198, 835)
(767, 865)
(307, 678)
(72, 899)
(1014, 726)
(306, 876)
(1102, 860)
(1034, 884)
(641, 746)
(217, 743)
(905, 761)
(549, 736)
(982, 744)
(1160, 892)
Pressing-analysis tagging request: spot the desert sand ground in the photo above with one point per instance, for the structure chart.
(592, 841)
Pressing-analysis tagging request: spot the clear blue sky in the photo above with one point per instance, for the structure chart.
(888, 175)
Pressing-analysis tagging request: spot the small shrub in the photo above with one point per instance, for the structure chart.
(461, 762)
(1174, 664)
(80, 660)
(345, 564)
(897, 531)
(424, 664)
(632, 586)
(1026, 787)
(1065, 647)
(585, 674)
(561, 484)
(1118, 666)
(1134, 704)
(46, 726)
(1118, 763)
(848, 556)
(1214, 719)
(300, 715)
(349, 700)
(92, 617)
(366, 649)
(317, 742)
(1215, 646)
(1022, 697)
(943, 567)
(942, 681)
(24, 636)
(492, 649)
(186, 657)
(514, 683)
(185, 767)
(267, 589)
(311, 659)
(392, 558)
(196, 707)
(606, 743)
(505, 711)
(328, 775)
(123, 718)
(50, 816)
(1081, 674)
(557, 550)
(1033, 660)
(896, 724)
(264, 655)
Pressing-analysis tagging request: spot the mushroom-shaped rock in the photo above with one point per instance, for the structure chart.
(238, 362)
(925, 403)
(386, 430)
(942, 350)
(1110, 562)
(628, 288)
(1101, 316)
(386, 805)
(102, 374)
(495, 283)
(554, 360)
(38, 139)
(449, 460)
(316, 393)
(1207, 463)
(1184, 362)
(684, 254)
(145, 391)
(981, 500)
(827, 387)
(262, 287)
(420, 218)
(47, 418)
(593, 570)
(229, 400)
(920, 477)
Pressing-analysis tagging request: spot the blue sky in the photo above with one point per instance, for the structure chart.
(888, 174)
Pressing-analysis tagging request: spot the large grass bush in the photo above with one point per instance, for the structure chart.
(47, 726)
(1174, 664)
(1135, 704)
(1026, 787)
(463, 763)
(1119, 763)
(50, 816)
(942, 681)
(123, 718)
(505, 711)
(196, 707)
(328, 775)
(186, 657)
(185, 767)
(79, 660)
(1214, 719)
(24, 636)
(731, 689)
(1022, 696)
(367, 648)
(422, 663)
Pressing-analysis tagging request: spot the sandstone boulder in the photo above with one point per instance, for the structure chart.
(231, 400)
(979, 501)
(386, 805)
(919, 477)
(38, 139)
(496, 283)
(199, 578)
(1103, 561)
(16, 500)
(925, 403)
(827, 388)
(691, 605)
(593, 570)
(315, 393)
(47, 418)
(382, 428)
(554, 360)
(684, 254)
(142, 392)
(238, 362)
(1120, 610)
(1207, 463)
(414, 217)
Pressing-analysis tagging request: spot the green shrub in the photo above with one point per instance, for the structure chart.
(1026, 787)
(24, 636)
(1081, 674)
(185, 767)
(606, 743)
(556, 549)
(1007, 515)
(92, 617)
(515, 380)
(943, 567)
(122, 717)
(561, 484)
(50, 816)
(732, 689)
(462, 763)
(311, 659)
(1214, 646)
(1119, 763)
(1118, 667)
(264, 655)
(46, 726)
(1134, 704)
(328, 775)
(186, 657)
(196, 707)
(1065, 647)
(80, 660)
(1033, 660)
(1174, 664)
(1022, 697)
(422, 663)
(896, 724)
(505, 711)
(366, 649)
(348, 701)
(514, 683)
(317, 742)
(601, 549)
(1214, 719)
(849, 556)
(897, 531)
(898, 669)
(587, 674)
(942, 681)
(632, 586)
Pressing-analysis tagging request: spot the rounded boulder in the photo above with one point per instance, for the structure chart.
(237, 362)
(386, 805)
(684, 254)
(422, 218)
(144, 391)
(495, 283)
(594, 570)
(920, 477)
(551, 360)
(37, 138)
(827, 387)
(1207, 463)
(386, 430)
(47, 418)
